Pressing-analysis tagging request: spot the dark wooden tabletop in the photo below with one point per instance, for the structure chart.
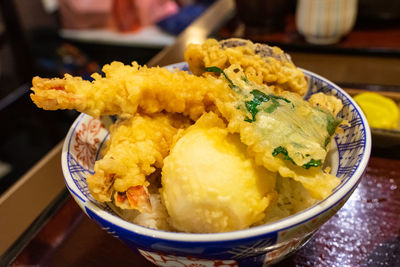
(365, 232)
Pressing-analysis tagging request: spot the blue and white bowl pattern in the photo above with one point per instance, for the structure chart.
(256, 246)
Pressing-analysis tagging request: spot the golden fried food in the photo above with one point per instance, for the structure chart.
(124, 90)
(210, 175)
(283, 133)
(252, 131)
(261, 63)
(137, 146)
(326, 102)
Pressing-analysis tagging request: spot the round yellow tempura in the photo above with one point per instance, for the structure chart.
(210, 184)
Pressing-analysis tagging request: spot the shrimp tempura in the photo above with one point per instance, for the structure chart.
(137, 146)
(127, 89)
(282, 131)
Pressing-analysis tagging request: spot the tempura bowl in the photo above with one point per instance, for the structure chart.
(256, 246)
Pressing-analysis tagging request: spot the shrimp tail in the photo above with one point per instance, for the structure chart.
(53, 94)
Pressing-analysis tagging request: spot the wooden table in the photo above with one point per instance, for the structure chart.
(365, 232)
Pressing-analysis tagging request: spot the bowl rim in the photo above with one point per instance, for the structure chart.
(262, 230)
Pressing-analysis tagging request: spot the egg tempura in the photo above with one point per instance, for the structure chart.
(209, 182)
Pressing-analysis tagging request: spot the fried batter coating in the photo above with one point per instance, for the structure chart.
(209, 173)
(137, 146)
(287, 135)
(127, 89)
(261, 63)
(326, 102)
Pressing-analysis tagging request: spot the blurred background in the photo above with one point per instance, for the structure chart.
(49, 38)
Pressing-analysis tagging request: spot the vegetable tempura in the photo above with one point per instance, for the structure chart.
(262, 64)
(254, 95)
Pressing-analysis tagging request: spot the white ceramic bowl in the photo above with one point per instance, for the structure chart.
(256, 246)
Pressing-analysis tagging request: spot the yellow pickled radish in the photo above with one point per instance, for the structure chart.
(381, 112)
